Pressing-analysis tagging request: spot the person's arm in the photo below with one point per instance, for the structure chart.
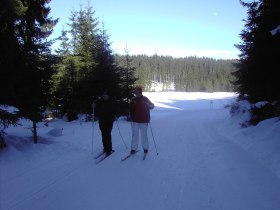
(131, 110)
(93, 107)
(96, 108)
(115, 111)
(149, 104)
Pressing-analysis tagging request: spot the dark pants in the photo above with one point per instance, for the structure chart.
(106, 128)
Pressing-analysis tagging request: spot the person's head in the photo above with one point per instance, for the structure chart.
(138, 91)
(105, 96)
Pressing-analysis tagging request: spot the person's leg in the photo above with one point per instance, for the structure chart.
(135, 136)
(108, 138)
(144, 136)
(106, 129)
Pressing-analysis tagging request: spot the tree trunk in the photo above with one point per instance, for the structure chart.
(34, 132)
(2, 141)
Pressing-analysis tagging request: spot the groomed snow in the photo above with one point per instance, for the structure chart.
(206, 161)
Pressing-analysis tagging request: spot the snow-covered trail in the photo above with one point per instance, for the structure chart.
(210, 172)
(198, 168)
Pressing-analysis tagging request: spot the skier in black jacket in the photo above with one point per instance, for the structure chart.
(105, 111)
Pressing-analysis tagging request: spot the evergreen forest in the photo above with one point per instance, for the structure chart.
(189, 74)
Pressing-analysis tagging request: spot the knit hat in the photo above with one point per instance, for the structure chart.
(138, 90)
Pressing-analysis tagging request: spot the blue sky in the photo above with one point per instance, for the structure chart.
(177, 28)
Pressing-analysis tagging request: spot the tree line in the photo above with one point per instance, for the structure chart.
(189, 74)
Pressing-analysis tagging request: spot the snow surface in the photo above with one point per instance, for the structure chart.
(206, 161)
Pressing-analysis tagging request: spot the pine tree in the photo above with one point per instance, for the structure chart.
(25, 57)
(64, 48)
(10, 12)
(257, 70)
(127, 81)
(92, 62)
(257, 75)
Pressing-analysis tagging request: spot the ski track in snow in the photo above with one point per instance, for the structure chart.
(198, 168)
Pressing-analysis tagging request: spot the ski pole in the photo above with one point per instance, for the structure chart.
(148, 113)
(153, 137)
(92, 136)
(93, 105)
(121, 134)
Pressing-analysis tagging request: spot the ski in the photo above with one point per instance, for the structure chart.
(103, 157)
(128, 156)
(144, 156)
(99, 155)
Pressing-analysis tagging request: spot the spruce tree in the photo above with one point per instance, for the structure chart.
(256, 77)
(10, 12)
(25, 57)
(92, 62)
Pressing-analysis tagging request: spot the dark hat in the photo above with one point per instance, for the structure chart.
(138, 90)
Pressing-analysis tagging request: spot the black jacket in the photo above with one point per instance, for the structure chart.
(105, 111)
